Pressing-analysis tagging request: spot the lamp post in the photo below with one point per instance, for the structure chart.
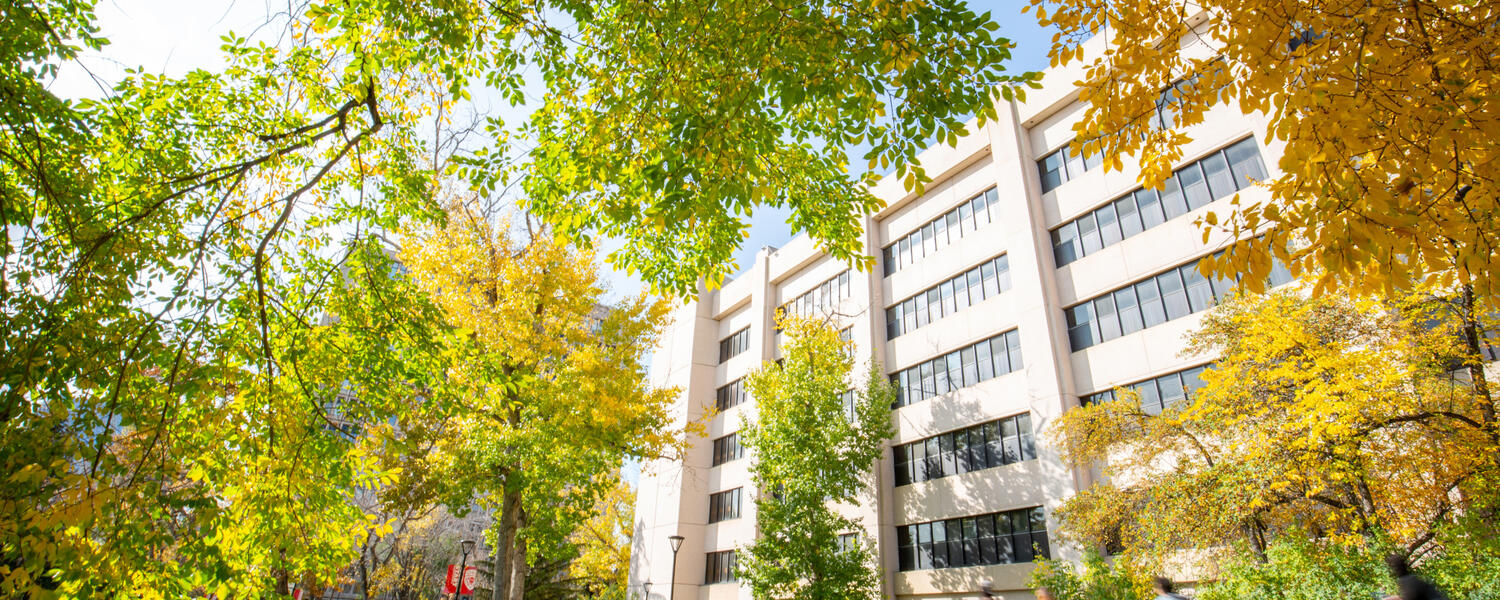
(676, 545)
(466, 547)
(646, 589)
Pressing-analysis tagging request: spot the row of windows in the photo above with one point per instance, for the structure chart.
(719, 567)
(728, 448)
(969, 216)
(993, 539)
(1062, 165)
(731, 394)
(736, 343)
(959, 369)
(1156, 300)
(823, 297)
(724, 505)
(1212, 177)
(1002, 442)
(1158, 393)
(970, 287)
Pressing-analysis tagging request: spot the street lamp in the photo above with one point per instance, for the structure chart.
(676, 545)
(646, 589)
(467, 547)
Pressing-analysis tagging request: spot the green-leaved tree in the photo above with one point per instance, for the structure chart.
(811, 451)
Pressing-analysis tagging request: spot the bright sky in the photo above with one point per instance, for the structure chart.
(172, 37)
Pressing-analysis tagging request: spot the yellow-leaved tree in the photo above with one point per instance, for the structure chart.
(1334, 418)
(553, 394)
(1389, 110)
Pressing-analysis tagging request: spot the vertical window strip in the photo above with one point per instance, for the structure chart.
(945, 373)
(736, 343)
(962, 220)
(1158, 393)
(983, 446)
(727, 449)
(986, 280)
(1061, 166)
(1218, 175)
(1016, 536)
(731, 394)
(719, 567)
(821, 298)
(1175, 293)
(723, 506)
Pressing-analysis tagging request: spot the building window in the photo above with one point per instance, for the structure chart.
(984, 446)
(1218, 175)
(724, 505)
(986, 280)
(1158, 393)
(1061, 165)
(736, 343)
(848, 542)
(719, 567)
(1178, 292)
(992, 358)
(946, 229)
(1016, 536)
(821, 298)
(728, 448)
(730, 395)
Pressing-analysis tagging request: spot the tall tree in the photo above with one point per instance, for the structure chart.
(812, 451)
(1331, 416)
(1388, 110)
(552, 391)
(174, 248)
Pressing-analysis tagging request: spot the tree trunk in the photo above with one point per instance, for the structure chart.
(518, 557)
(1472, 338)
(364, 573)
(505, 540)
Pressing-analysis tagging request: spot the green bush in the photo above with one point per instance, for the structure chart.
(1099, 579)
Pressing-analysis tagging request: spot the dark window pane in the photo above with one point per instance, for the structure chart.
(1012, 441)
(1244, 163)
(961, 452)
(971, 542)
(893, 322)
(977, 458)
(1028, 438)
(1002, 271)
(1081, 326)
(1088, 234)
(1150, 205)
(1109, 228)
(1039, 541)
(1150, 397)
(1172, 200)
(929, 381)
(1130, 312)
(960, 292)
(1200, 294)
(1065, 247)
(902, 456)
(922, 312)
(907, 554)
(1073, 162)
(955, 370)
(1153, 312)
(888, 261)
(1104, 315)
(982, 357)
(1172, 392)
(971, 369)
(949, 454)
(1051, 170)
(994, 446)
(1172, 294)
(1194, 188)
(939, 545)
(1130, 220)
(1013, 348)
(1220, 181)
(934, 459)
(955, 543)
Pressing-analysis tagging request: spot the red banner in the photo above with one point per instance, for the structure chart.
(471, 574)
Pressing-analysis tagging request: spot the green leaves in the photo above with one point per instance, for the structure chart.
(811, 452)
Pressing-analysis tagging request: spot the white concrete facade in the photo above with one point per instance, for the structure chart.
(1002, 155)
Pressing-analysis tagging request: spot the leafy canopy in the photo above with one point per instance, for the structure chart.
(1337, 417)
(813, 456)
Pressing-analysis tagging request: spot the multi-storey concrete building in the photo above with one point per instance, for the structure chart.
(1023, 281)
